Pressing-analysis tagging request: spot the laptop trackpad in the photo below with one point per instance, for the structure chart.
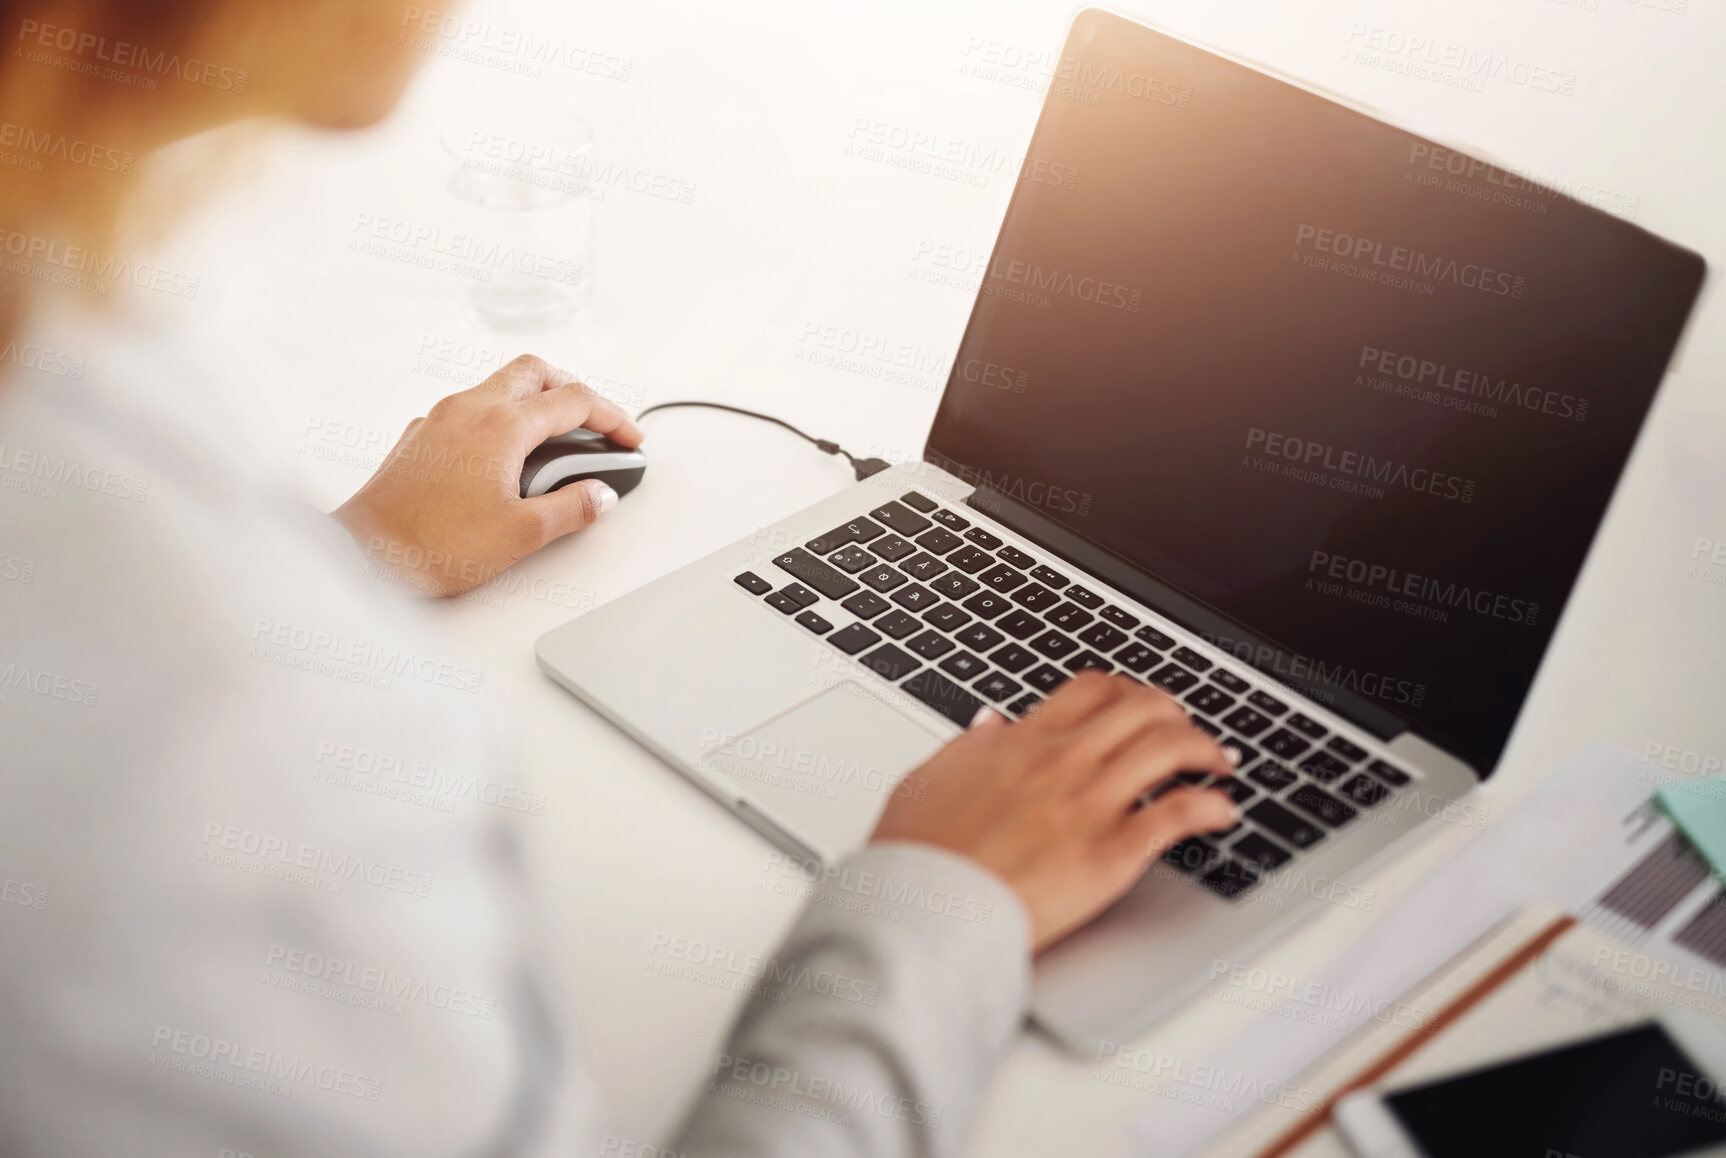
(826, 768)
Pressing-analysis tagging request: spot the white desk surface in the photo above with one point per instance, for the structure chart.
(757, 102)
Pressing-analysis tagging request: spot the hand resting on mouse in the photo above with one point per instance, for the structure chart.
(445, 511)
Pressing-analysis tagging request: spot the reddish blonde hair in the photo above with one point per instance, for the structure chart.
(64, 125)
(89, 87)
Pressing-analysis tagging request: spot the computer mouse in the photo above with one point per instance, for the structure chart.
(580, 454)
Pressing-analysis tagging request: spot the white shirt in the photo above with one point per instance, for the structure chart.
(219, 935)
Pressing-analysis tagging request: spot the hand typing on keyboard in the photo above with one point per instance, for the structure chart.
(445, 510)
(1051, 804)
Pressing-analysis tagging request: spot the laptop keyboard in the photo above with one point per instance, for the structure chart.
(960, 620)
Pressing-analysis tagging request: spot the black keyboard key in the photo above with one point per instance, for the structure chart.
(1088, 661)
(865, 605)
(1050, 576)
(1119, 618)
(1024, 703)
(889, 662)
(916, 597)
(853, 639)
(800, 564)
(1246, 721)
(1269, 705)
(799, 594)
(1035, 597)
(1364, 790)
(1285, 744)
(953, 585)
(1323, 767)
(1230, 879)
(919, 500)
(995, 686)
(964, 665)
(1229, 681)
(1389, 773)
(1192, 659)
(856, 531)
(938, 540)
(970, 560)
(1045, 678)
(1013, 658)
(1210, 699)
(851, 559)
(979, 637)
(950, 519)
(892, 548)
(1001, 577)
(983, 538)
(882, 577)
(784, 603)
(901, 518)
(1054, 645)
(1280, 822)
(862, 530)
(1206, 727)
(1137, 657)
(1190, 855)
(1311, 799)
(1019, 624)
(1346, 749)
(1306, 726)
(1256, 850)
(1103, 637)
(1084, 597)
(1070, 616)
(1275, 777)
(897, 625)
(946, 617)
(753, 583)
(1173, 678)
(922, 565)
(986, 604)
(814, 623)
(930, 644)
(944, 696)
(1016, 557)
(1150, 635)
(1234, 788)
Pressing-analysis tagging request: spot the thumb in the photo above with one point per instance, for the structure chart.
(571, 508)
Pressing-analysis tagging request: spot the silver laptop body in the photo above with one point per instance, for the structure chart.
(805, 744)
(797, 674)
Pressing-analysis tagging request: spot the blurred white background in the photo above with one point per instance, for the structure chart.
(740, 238)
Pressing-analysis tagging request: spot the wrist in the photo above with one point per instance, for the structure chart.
(986, 896)
(386, 555)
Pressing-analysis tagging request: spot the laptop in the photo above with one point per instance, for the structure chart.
(1304, 418)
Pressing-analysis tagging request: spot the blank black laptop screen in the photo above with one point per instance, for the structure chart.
(1361, 395)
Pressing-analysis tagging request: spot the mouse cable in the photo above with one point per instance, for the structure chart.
(863, 467)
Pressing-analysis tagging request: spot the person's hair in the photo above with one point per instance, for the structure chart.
(89, 87)
(66, 109)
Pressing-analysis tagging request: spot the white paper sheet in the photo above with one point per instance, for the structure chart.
(1563, 845)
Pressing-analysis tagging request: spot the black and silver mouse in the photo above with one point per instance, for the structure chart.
(580, 454)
